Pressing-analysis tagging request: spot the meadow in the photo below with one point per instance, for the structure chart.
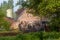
(33, 36)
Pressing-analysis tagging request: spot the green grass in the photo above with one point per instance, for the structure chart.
(34, 36)
(14, 38)
(8, 38)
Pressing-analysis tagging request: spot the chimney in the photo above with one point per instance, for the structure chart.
(10, 13)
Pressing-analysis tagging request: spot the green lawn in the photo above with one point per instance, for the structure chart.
(34, 36)
(8, 38)
(14, 38)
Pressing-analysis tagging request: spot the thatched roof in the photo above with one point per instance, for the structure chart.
(28, 17)
(25, 17)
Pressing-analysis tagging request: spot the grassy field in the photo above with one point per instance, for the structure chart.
(8, 38)
(34, 36)
(15, 38)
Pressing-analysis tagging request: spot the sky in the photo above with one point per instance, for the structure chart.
(15, 7)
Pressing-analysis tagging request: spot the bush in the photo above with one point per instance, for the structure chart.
(38, 36)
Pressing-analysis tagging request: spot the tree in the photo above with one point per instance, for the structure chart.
(4, 24)
(21, 3)
(10, 4)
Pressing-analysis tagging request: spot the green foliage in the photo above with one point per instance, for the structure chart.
(34, 36)
(37, 35)
(4, 24)
(10, 4)
(7, 38)
(4, 7)
(43, 7)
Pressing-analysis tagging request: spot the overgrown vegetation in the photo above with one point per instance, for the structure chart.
(4, 24)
